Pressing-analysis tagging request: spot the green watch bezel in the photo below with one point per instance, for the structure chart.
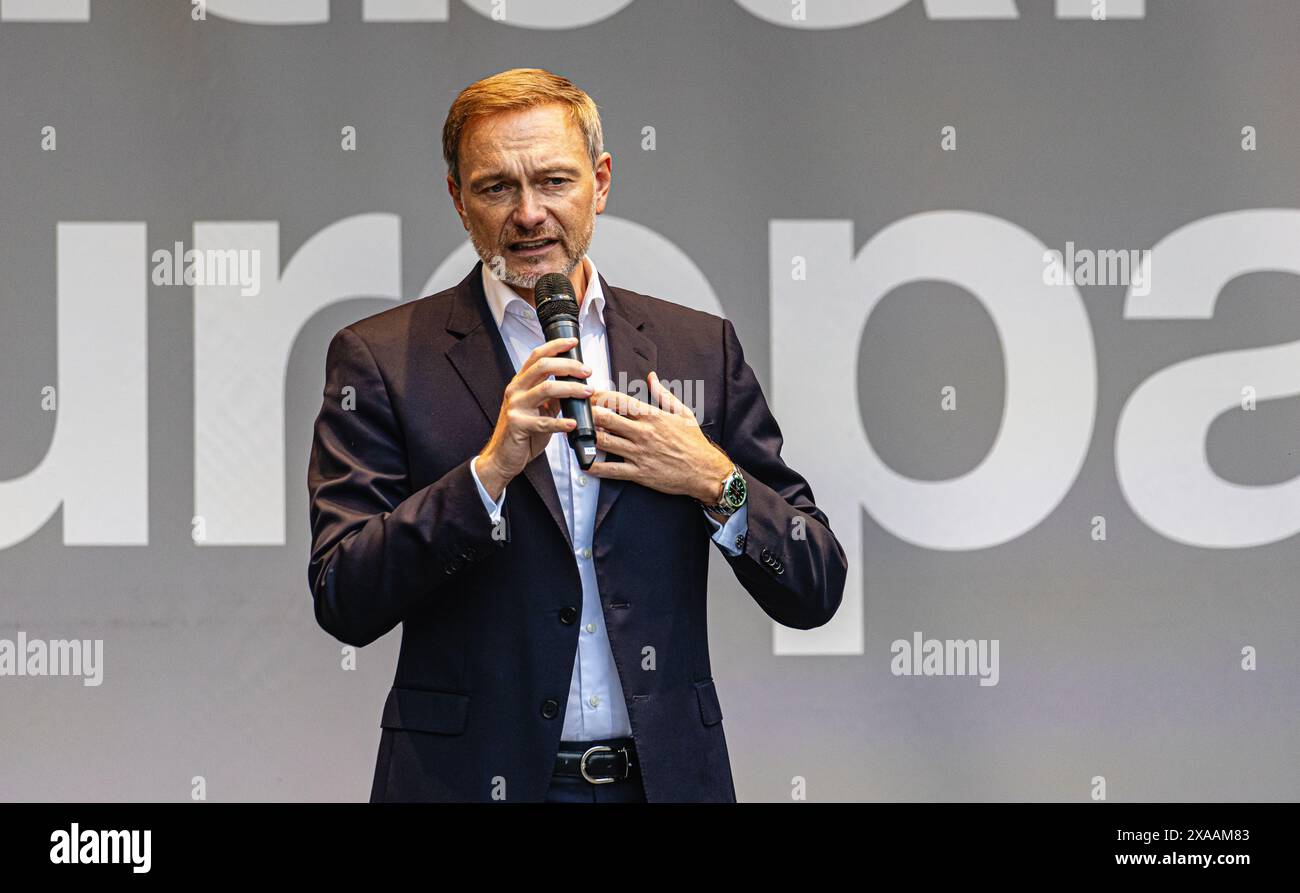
(735, 490)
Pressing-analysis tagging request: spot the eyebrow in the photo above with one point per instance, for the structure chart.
(491, 176)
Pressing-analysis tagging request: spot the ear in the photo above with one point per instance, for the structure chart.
(604, 173)
(458, 200)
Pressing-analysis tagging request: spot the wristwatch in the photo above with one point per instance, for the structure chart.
(733, 494)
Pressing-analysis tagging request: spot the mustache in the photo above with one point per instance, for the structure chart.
(511, 240)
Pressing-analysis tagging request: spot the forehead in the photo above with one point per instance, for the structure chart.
(546, 130)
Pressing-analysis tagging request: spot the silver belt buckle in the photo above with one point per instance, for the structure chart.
(582, 764)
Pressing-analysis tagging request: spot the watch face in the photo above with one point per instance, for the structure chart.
(734, 494)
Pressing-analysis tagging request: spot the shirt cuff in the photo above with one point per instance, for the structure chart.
(493, 508)
(725, 534)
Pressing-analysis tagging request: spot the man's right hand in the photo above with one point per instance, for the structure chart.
(530, 413)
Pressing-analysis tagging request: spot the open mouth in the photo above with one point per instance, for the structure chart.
(534, 246)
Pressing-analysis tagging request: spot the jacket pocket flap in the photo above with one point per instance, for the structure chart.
(423, 710)
(710, 709)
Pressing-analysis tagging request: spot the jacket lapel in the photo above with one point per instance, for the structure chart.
(483, 363)
(632, 353)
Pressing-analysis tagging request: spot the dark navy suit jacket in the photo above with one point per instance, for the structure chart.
(400, 535)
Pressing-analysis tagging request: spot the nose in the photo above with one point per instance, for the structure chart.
(529, 213)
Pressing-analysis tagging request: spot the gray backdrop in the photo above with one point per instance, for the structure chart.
(1120, 658)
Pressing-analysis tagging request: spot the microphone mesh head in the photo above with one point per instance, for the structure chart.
(554, 297)
(550, 284)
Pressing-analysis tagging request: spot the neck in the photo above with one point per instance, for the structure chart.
(578, 277)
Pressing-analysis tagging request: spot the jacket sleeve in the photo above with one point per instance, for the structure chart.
(380, 551)
(790, 561)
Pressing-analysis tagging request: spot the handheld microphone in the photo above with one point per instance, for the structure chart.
(557, 310)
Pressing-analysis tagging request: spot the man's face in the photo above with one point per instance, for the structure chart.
(526, 177)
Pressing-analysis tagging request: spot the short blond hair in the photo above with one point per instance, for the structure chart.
(513, 90)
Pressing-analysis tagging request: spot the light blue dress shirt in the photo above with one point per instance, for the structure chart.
(596, 707)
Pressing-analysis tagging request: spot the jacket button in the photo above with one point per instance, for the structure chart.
(550, 708)
(568, 614)
(765, 555)
(454, 565)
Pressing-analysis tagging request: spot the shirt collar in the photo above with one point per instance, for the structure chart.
(503, 299)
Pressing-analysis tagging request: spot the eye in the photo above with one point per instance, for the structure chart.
(557, 181)
(492, 189)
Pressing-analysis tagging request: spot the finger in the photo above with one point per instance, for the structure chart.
(606, 418)
(548, 366)
(659, 395)
(541, 424)
(623, 404)
(618, 470)
(665, 398)
(540, 393)
(612, 443)
(549, 349)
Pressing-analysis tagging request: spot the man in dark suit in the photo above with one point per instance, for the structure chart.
(554, 644)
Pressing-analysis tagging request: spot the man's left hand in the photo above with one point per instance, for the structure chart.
(662, 445)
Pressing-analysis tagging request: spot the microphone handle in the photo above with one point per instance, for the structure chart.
(582, 439)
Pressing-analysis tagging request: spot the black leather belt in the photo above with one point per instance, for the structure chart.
(599, 762)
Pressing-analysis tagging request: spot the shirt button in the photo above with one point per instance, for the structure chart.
(582, 480)
(594, 701)
(591, 627)
(586, 552)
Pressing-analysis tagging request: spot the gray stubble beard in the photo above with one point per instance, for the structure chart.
(529, 279)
